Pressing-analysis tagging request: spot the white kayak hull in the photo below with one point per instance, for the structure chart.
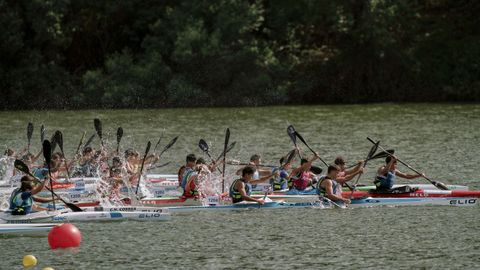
(22, 229)
(66, 216)
(424, 201)
(145, 209)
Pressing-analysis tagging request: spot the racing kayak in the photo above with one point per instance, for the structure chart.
(407, 201)
(418, 193)
(65, 216)
(249, 205)
(40, 228)
(148, 209)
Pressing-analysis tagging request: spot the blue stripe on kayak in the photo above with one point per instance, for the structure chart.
(116, 215)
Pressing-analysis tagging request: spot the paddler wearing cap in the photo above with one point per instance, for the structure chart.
(241, 188)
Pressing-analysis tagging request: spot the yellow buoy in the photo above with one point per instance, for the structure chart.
(29, 261)
(47, 268)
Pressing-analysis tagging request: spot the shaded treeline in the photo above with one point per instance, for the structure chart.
(134, 54)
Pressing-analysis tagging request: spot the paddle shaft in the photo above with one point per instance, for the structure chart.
(370, 154)
(141, 168)
(227, 138)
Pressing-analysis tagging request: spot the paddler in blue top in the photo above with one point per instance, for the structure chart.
(21, 200)
(241, 189)
(280, 181)
(386, 175)
(330, 187)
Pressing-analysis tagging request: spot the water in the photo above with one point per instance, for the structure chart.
(440, 140)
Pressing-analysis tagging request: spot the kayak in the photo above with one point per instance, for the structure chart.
(66, 216)
(171, 201)
(413, 201)
(249, 205)
(40, 228)
(418, 193)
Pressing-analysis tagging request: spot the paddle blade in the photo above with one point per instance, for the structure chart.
(42, 134)
(59, 139)
(29, 131)
(440, 185)
(383, 154)
(98, 126)
(119, 134)
(291, 133)
(21, 166)
(316, 170)
(149, 144)
(202, 144)
(47, 152)
(373, 150)
(53, 143)
(172, 142)
(290, 157)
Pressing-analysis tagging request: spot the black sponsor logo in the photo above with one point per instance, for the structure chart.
(463, 201)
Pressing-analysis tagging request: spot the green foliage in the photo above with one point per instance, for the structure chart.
(136, 54)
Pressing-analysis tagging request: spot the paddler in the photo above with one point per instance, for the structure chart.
(21, 200)
(255, 162)
(301, 177)
(201, 174)
(345, 175)
(330, 187)
(280, 180)
(186, 170)
(241, 189)
(386, 176)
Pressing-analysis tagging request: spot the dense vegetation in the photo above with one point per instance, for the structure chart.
(151, 53)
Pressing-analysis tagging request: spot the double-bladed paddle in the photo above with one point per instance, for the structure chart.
(149, 144)
(229, 148)
(29, 135)
(292, 134)
(437, 184)
(159, 140)
(21, 166)
(42, 134)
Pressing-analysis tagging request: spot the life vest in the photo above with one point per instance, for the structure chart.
(322, 191)
(190, 189)
(302, 181)
(186, 174)
(235, 194)
(19, 206)
(279, 182)
(385, 181)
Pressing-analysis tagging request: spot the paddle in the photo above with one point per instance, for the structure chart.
(47, 153)
(159, 140)
(89, 141)
(227, 138)
(437, 184)
(59, 139)
(42, 134)
(149, 144)
(202, 144)
(21, 166)
(291, 134)
(98, 128)
(119, 137)
(80, 143)
(53, 143)
(29, 135)
(369, 155)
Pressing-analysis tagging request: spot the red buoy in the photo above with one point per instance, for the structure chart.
(64, 236)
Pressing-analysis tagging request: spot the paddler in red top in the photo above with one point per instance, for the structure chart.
(241, 189)
(301, 177)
